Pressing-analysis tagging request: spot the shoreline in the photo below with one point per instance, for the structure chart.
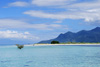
(59, 44)
(55, 45)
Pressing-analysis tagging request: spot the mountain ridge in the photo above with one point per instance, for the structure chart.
(81, 36)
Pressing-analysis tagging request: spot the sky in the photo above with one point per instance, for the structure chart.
(31, 21)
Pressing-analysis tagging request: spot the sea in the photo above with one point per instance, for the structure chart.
(50, 56)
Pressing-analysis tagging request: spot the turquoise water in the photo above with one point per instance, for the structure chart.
(50, 56)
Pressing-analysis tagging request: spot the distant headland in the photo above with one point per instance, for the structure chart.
(83, 36)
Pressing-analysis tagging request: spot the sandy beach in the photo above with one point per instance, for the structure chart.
(56, 44)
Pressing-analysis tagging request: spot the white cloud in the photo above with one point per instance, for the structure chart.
(86, 5)
(51, 2)
(26, 33)
(86, 15)
(17, 35)
(47, 26)
(18, 4)
(59, 21)
(11, 23)
(42, 14)
(89, 11)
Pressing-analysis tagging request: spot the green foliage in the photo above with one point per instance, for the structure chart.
(19, 46)
(55, 42)
(79, 43)
(69, 42)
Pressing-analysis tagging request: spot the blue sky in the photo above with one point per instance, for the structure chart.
(36, 20)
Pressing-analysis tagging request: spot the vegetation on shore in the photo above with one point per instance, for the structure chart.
(80, 43)
(57, 42)
(54, 42)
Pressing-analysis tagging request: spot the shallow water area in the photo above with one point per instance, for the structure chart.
(50, 56)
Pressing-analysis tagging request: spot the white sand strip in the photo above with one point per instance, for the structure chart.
(62, 44)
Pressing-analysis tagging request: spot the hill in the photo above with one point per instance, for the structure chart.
(81, 36)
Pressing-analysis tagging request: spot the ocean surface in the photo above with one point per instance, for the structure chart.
(50, 56)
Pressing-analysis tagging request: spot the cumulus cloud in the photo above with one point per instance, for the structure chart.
(18, 4)
(17, 35)
(11, 23)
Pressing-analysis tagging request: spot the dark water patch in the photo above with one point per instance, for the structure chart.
(44, 62)
(5, 61)
(26, 65)
(2, 61)
(29, 61)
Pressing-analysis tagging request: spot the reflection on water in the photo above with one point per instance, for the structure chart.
(50, 56)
